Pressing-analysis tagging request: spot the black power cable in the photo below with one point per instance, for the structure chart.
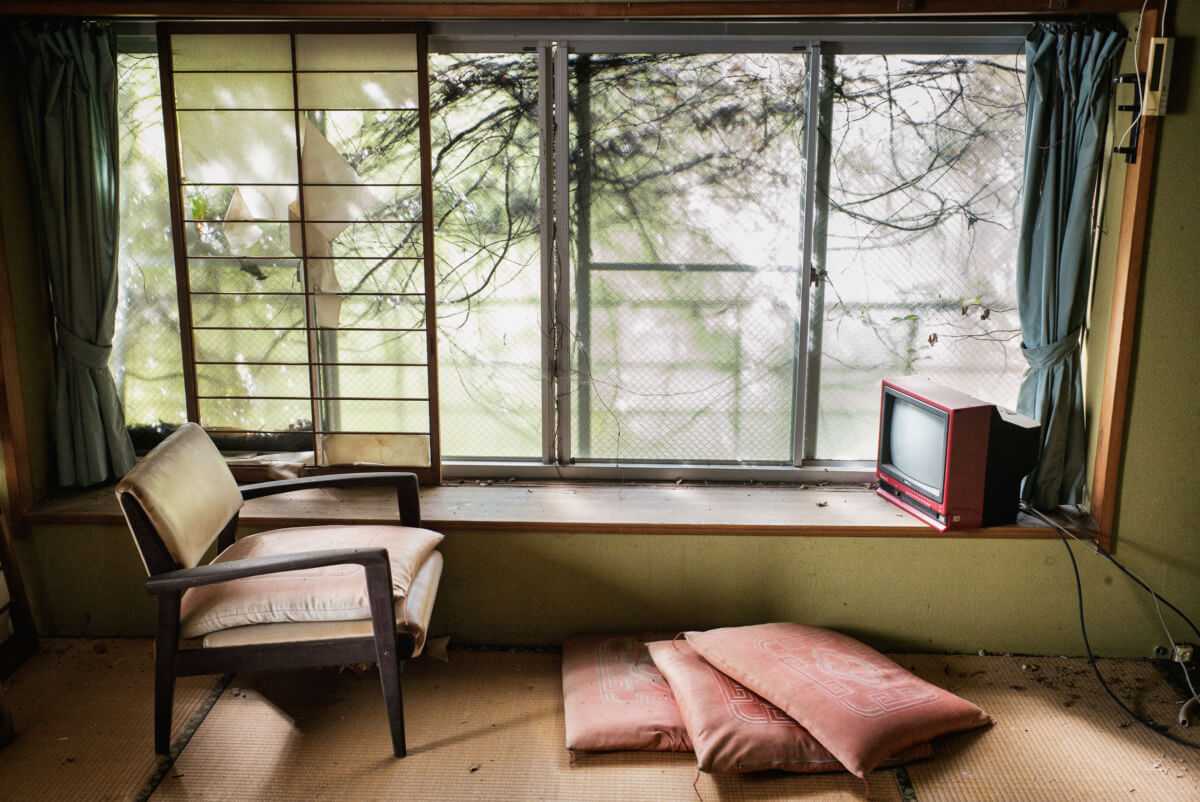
(1062, 533)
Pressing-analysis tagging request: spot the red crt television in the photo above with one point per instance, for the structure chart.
(949, 459)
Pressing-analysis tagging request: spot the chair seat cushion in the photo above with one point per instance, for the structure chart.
(329, 593)
(412, 617)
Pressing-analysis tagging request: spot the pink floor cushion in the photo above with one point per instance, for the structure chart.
(615, 699)
(735, 730)
(860, 705)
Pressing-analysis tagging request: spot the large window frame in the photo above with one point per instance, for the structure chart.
(27, 476)
(553, 42)
(318, 363)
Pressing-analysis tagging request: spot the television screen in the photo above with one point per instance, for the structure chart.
(916, 445)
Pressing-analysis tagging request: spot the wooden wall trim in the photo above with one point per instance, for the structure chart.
(23, 641)
(1131, 251)
(14, 434)
(791, 9)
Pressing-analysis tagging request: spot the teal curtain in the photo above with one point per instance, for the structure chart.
(67, 102)
(1068, 76)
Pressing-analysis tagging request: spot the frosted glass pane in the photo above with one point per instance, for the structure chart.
(268, 345)
(379, 240)
(358, 90)
(273, 311)
(377, 449)
(244, 275)
(394, 204)
(252, 379)
(411, 417)
(251, 241)
(342, 203)
(381, 346)
(235, 147)
(233, 90)
(383, 312)
(387, 51)
(225, 51)
(374, 274)
(254, 415)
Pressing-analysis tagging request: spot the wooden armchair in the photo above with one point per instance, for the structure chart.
(286, 598)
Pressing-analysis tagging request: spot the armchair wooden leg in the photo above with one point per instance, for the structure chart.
(166, 643)
(383, 626)
(389, 674)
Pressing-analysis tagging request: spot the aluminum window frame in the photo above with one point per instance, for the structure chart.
(552, 41)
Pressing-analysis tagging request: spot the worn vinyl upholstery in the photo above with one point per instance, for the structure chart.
(413, 612)
(331, 593)
(187, 492)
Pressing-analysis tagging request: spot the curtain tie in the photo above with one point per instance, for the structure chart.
(1050, 354)
(90, 355)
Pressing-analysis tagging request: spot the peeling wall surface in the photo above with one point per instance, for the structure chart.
(902, 593)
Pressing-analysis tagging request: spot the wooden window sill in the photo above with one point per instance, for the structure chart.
(581, 508)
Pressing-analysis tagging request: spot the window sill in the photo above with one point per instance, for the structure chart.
(581, 508)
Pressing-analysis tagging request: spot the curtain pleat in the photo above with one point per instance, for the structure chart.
(67, 98)
(1068, 77)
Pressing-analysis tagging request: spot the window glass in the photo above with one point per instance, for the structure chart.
(925, 166)
(486, 201)
(146, 361)
(303, 223)
(688, 189)
(686, 233)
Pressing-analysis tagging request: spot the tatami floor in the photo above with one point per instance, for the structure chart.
(488, 725)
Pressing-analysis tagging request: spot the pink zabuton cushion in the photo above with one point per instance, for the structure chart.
(860, 705)
(735, 730)
(614, 698)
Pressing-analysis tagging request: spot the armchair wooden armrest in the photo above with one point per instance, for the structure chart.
(374, 560)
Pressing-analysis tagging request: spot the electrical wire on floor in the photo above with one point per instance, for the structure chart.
(1063, 533)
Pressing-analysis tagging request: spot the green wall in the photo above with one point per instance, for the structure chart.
(526, 588)
(936, 595)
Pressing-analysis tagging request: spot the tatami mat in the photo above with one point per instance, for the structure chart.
(486, 726)
(1058, 737)
(489, 726)
(84, 717)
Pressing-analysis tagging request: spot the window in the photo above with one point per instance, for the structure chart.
(300, 247)
(146, 361)
(649, 251)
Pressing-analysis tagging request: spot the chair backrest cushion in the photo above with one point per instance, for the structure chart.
(187, 492)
